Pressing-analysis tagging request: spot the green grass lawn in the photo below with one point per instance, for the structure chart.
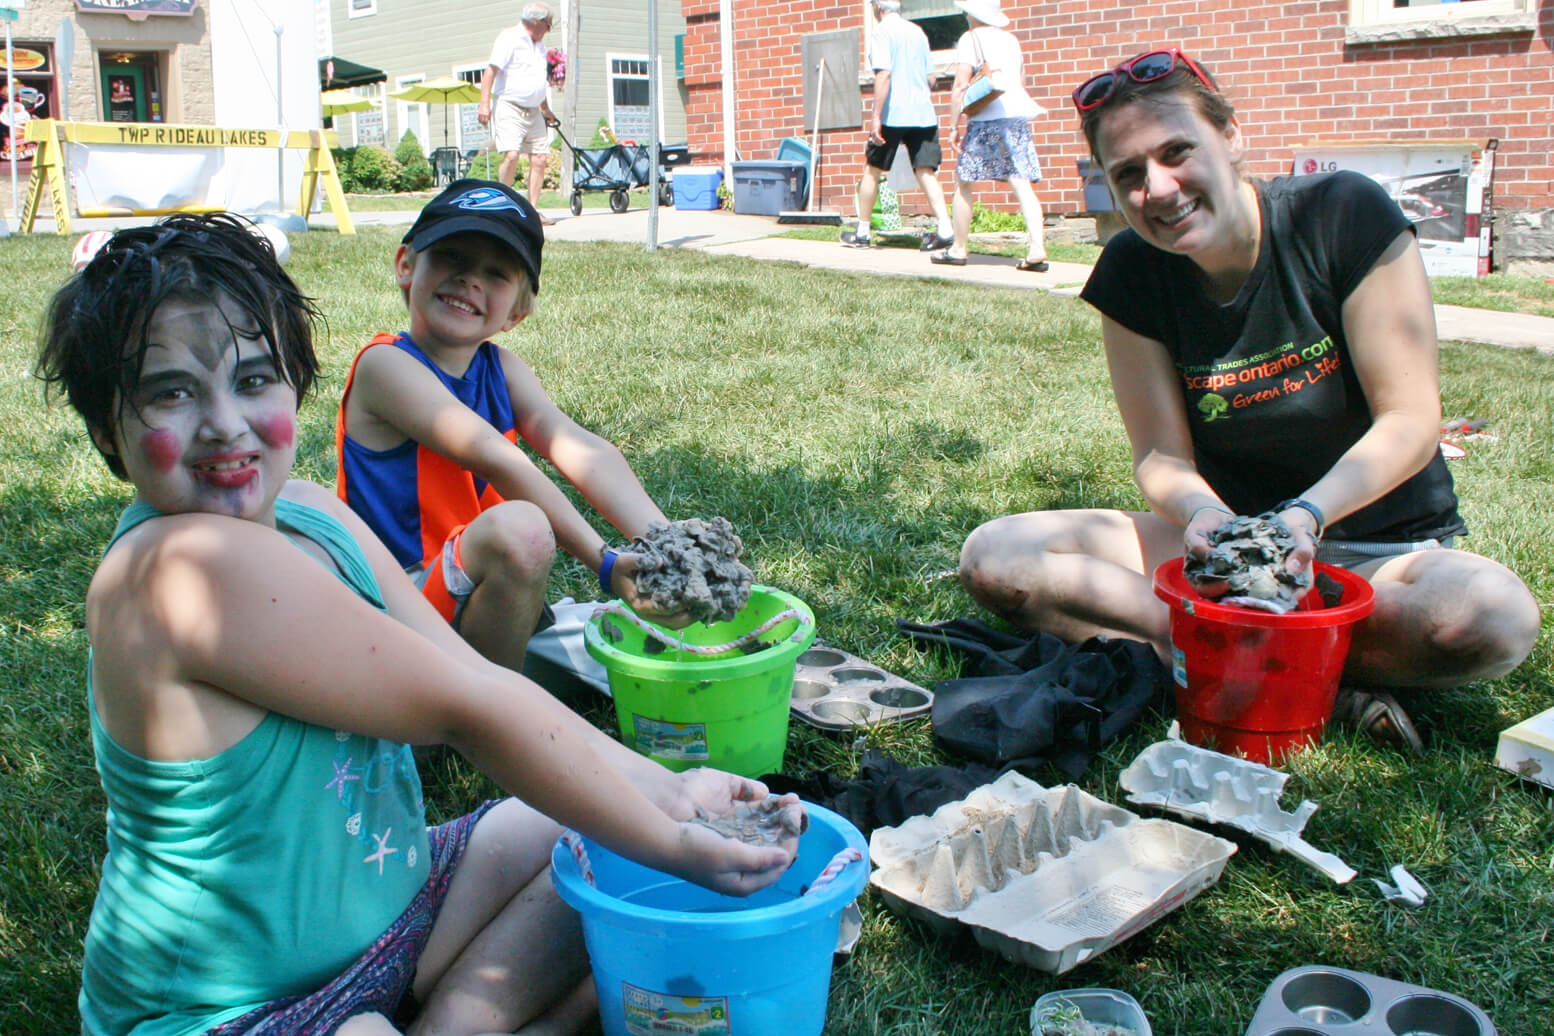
(854, 430)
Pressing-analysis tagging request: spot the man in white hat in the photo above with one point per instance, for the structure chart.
(903, 116)
(520, 118)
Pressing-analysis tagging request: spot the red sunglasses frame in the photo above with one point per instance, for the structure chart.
(1176, 55)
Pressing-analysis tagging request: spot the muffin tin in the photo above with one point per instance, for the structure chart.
(1195, 782)
(835, 690)
(1046, 877)
(1323, 1001)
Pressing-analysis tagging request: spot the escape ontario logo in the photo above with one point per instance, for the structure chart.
(1232, 385)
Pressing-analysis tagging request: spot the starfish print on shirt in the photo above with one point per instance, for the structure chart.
(342, 775)
(383, 851)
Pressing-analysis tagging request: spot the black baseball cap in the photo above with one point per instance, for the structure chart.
(484, 207)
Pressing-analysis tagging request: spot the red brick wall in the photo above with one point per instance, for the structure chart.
(1286, 67)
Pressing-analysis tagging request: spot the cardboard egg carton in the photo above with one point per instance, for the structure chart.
(1046, 877)
(1196, 782)
(1324, 1001)
(835, 690)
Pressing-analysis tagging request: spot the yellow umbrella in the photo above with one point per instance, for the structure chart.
(442, 90)
(341, 102)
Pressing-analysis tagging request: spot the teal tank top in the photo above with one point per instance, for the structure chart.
(258, 873)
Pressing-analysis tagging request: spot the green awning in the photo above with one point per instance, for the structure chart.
(334, 73)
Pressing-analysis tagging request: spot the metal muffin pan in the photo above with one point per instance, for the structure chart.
(1321, 1001)
(836, 690)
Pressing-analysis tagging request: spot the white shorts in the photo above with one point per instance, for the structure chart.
(519, 129)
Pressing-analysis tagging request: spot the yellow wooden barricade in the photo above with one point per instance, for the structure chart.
(48, 164)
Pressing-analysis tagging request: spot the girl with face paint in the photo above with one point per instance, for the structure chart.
(260, 667)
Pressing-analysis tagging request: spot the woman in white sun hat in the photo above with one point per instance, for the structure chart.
(995, 142)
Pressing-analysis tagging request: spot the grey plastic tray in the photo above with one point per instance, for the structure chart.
(1322, 1001)
(836, 690)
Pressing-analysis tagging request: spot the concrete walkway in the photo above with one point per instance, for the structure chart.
(720, 232)
(727, 233)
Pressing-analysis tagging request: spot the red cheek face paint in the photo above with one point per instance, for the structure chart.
(278, 432)
(162, 449)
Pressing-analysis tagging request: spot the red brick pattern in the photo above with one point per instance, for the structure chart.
(1285, 66)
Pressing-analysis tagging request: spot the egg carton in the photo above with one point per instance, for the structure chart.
(1046, 877)
(1196, 782)
(1323, 1001)
(836, 690)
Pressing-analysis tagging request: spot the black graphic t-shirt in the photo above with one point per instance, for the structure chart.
(1272, 397)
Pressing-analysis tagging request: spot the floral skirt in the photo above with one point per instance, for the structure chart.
(997, 149)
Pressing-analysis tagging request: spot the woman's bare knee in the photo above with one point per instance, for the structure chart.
(1493, 626)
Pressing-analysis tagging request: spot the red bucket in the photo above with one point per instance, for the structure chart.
(1252, 683)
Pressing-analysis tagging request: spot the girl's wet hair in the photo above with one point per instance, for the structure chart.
(93, 340)
(1209, 100)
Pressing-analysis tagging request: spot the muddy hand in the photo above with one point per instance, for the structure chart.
(624, 578)
(716, 793)
(730, 866)
(1195, 538)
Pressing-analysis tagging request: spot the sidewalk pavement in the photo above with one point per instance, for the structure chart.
(754, 237)
(719, 232)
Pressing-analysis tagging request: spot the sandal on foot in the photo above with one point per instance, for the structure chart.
(1032, 265)
(1379, 716)
(944, 258)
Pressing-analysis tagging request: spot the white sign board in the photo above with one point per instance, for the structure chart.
(1434, 185)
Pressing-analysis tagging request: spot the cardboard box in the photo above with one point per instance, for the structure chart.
(1527, 749)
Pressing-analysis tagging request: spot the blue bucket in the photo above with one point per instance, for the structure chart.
(670, 956)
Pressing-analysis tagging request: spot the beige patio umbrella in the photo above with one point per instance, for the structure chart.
(442, 90)
(342, 102)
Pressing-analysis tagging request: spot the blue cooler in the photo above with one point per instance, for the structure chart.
(696, 186)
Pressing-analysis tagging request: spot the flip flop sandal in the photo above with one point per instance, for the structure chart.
(944, 258)
(1379, 716)
(1032, 265)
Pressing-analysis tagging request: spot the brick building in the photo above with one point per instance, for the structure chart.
(1318, 73)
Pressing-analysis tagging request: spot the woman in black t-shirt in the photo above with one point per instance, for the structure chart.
(1272, 348)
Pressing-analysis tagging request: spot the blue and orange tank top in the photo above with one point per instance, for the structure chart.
(411, 496)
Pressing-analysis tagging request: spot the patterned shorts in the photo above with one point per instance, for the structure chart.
(380, 977)
(997, 149)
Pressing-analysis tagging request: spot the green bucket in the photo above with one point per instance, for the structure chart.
(727, 710)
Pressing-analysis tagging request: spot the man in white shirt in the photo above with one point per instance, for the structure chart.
(515, 99)
(904, 115)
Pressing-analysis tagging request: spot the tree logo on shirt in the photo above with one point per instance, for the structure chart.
(1213, 407)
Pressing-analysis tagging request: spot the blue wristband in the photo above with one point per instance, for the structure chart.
(1307, 506)
(607, 568)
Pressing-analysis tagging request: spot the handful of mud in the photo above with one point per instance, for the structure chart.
(1245, 565)
(693, 566)
(765, 823)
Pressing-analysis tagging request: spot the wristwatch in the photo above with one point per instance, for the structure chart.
(1307, 506)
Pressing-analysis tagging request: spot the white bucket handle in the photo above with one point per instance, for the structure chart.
(574, 841)
(838, 863)
(617, 608)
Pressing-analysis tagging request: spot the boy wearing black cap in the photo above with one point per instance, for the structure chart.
(427, 436)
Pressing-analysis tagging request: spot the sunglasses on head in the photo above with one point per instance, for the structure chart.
(1146, 68)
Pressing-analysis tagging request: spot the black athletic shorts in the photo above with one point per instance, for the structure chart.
(922, 144)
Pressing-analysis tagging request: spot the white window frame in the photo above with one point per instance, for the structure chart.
(461, 72)
(609, 78)
(1377, 21)
(402, 115)
(367, 9)
(373, 91)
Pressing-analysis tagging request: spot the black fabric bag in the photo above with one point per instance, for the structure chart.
(885, 792)
(1023, 703)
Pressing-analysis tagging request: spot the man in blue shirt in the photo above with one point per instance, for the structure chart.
(903, 115)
